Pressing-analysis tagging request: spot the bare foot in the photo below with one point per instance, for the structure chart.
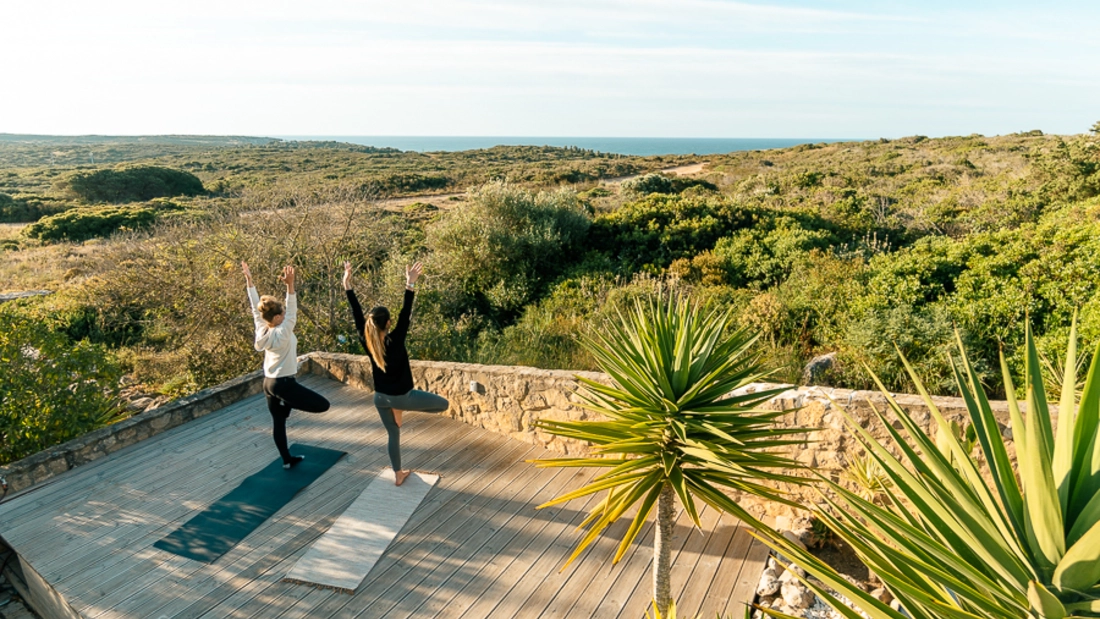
(401, 476)
(397, 418)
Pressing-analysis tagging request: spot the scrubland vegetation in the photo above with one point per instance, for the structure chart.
(847, 248)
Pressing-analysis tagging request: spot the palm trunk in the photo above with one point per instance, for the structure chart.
(662, 549)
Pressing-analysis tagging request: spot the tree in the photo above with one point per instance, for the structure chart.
(672, 427)
(952, 542)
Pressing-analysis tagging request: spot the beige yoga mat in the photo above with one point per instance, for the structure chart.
(342, 557)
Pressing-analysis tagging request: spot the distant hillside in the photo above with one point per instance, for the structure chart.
(206, 140)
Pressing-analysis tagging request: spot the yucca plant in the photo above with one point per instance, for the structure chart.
(868, 477)
(954, 543)
(672, 427)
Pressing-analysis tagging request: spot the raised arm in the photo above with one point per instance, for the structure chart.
(353, 301)
(401, 329)
(253, 296)
(291, 317)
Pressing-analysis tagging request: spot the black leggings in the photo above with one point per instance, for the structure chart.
(283, 394)
(415, 400)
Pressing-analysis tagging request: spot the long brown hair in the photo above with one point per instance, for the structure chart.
(375, 335)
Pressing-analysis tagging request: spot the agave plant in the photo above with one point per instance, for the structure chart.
(672, 426)
(951, 542)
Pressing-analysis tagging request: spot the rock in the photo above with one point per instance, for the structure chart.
(882, 595)
(816, 369)
(769, 580)
(792, 573)
(139, 404)
(796, 595)
(794, 538)
(769, 585)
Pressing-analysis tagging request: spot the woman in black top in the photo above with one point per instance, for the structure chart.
(393, 384)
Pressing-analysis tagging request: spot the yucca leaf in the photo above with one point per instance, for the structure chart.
(992, 444)
(644, 510)
(1044, 526)
(1016, 419)
(1079, 568)
(1091, 606)
(679, 485)
(969, 535)
(1062, 461)
(814, 566)
(578, 462)
(1086, 455)
(1044, 602)
(593, 488)
(901, 534)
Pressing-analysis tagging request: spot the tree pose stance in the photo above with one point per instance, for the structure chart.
(393, 383)
(275, 337)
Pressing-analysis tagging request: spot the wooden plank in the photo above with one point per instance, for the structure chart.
(477, 562)
(642, 597)
(451, 484)
(242, 599)
(104, 602)
(487, 564)
(692, 593)
(142, 457)
(452, 499)
(721, 587)
(744, 590)
(151, 528)
(419, 554)
(136, 482)
(70, 489)
(610, 596)
(255, 607)
(543, 566)
(327, 503)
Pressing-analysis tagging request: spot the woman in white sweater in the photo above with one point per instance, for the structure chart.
(275, 338)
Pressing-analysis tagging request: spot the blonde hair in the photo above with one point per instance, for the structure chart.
(270, 307)
(375, 335)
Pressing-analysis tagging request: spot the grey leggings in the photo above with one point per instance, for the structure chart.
(415, 400)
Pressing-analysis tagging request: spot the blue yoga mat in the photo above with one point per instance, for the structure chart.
(230, 519)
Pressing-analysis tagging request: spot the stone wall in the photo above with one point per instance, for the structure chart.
(500, 398)
(94, 445)
(508, 400)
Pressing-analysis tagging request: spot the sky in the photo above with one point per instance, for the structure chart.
(608, 68)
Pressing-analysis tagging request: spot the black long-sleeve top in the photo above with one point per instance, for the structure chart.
(397, 377)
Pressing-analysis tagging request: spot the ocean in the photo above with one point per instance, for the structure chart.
(624, 146)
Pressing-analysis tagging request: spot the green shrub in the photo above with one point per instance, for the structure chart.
(503, 246)
(659, 183)
(83, 223)
(136, 184)
(51, 390)
(25, 209)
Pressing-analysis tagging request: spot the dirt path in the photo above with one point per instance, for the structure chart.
(686, 170)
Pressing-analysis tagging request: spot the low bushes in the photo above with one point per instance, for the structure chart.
(23, 209)
(51, 390)
(135, 184)
(80, 224)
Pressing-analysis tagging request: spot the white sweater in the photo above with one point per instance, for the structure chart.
(279, 344)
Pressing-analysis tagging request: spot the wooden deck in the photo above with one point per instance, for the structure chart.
(475, 548)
